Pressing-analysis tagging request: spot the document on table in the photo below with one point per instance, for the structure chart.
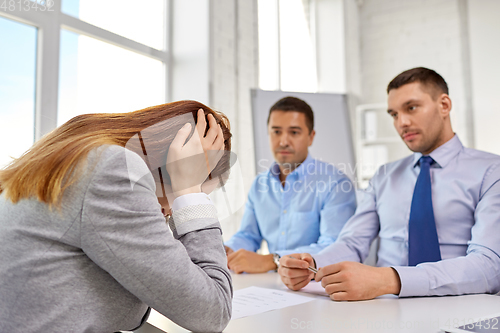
(312, 287)
(254, 300)
(315, 288)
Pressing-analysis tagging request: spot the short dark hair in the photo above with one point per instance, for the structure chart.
(290, 103)
(427, 77)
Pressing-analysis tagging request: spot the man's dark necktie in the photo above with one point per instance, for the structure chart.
(423, 240)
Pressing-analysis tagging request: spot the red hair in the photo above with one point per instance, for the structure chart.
(52, 164)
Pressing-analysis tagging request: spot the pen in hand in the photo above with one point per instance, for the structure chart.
(312, 269)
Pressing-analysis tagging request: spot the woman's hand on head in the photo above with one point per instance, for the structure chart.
(190, 163)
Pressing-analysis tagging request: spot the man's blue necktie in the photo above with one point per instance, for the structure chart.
(423, 240)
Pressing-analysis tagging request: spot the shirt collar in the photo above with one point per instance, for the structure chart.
(274, 170)
(443, 154)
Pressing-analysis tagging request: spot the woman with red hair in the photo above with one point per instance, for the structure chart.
(84, 246)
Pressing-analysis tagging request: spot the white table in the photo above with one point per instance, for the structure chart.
(385, 314)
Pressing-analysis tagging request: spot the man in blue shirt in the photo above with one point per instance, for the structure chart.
(437, 212)
(299, 204)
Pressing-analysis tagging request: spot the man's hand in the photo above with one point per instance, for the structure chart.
(352, 281)
(293, 270)
(250, 262)
(228, 250)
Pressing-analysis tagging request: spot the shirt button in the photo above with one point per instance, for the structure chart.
(283, 233)
(284, 212)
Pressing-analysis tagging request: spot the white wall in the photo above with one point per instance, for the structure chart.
(397, 35)
(215, 61)
(352, 55)
(330, 55)
(484, 33)
(233, 72)
(190, 45)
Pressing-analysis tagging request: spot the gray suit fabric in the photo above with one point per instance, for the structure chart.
(97, 264)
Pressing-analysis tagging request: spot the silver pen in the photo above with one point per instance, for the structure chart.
(312, 269)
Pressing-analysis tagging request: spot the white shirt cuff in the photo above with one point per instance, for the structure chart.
(414, 281)
(190, 200)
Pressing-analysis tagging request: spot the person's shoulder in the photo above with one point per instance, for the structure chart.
(107, 152)
(388, 169)
(321, 164)
(403, 162)
(264, 173)
(322, 168)
(114, 159)
(261, 177)
(480, 156)
(482, 162)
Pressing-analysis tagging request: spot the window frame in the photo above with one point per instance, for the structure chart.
(49, 23)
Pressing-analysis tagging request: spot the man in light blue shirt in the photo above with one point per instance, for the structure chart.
(465, 187)
(299, 204)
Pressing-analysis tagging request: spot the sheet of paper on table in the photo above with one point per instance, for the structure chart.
(315, 288)
(254, 300)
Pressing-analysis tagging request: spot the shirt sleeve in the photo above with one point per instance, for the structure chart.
(190, 200)
(339, 206)
(479, 270)
(353, 243)
(124, 232)
(248, 237)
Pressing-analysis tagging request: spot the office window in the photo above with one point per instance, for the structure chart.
(93, 56)
(269, 72)
(287, 57)
(141, 21)
(17, 88)
(96, 77)
(298, 59)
